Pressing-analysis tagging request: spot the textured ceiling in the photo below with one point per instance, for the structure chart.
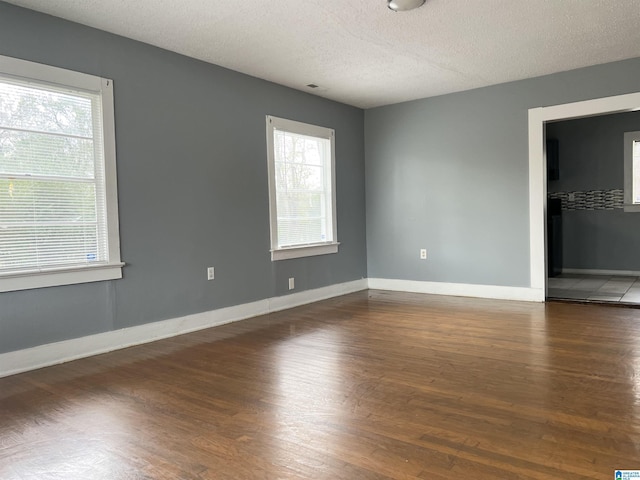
(363, 54)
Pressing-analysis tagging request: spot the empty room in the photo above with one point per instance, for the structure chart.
(375, 239)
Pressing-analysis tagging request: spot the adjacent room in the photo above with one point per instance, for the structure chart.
(319, 240)
(593, 231)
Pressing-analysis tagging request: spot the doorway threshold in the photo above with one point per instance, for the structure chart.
(593, 302)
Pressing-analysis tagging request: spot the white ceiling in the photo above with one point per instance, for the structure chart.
(363, 54)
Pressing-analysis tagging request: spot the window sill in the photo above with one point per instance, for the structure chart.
(26, 280)
(635, 207)
(304, 251)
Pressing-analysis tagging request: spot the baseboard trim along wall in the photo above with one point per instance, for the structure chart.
(41, 356)
(590, 271)
(459, 289)
(67, 350)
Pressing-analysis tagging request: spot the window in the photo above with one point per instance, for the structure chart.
(632, 172)
(58, 204)
(302, 198)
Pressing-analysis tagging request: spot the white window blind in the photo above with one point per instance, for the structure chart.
(302, 188)
(53, 188)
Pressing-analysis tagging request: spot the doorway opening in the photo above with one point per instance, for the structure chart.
(592, 238)
(538, 205)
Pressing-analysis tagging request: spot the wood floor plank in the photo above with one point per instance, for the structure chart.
(373, 385)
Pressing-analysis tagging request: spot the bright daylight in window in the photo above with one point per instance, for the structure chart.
(636, 172)
(301, 189)
(58, 209)
(632, 171)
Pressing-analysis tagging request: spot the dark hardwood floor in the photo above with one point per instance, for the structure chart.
(373, 385)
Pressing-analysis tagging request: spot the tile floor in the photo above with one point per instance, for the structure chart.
(597, 288)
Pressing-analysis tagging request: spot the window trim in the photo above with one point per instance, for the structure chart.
(629, 138)
(312, 249)
(48, 277)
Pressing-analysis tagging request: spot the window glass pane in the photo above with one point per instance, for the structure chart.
(45, 109)
(292, 147)
(297, 177)
(41, 154)
(299, 205)
(636, 172)
(301, 169)
(28, 201)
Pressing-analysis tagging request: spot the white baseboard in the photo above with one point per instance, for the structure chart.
(309, 296)
(67, 350)
(459, 289)
(60, 352)
(591, 271)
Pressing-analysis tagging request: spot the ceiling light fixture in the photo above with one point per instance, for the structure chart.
(404, 5)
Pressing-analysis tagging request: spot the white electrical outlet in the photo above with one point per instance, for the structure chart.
(292, 283)
(211, 273)
(423, 254)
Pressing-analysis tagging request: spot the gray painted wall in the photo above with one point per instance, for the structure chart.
(450, 174)
(192, 177)
(591, 158)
